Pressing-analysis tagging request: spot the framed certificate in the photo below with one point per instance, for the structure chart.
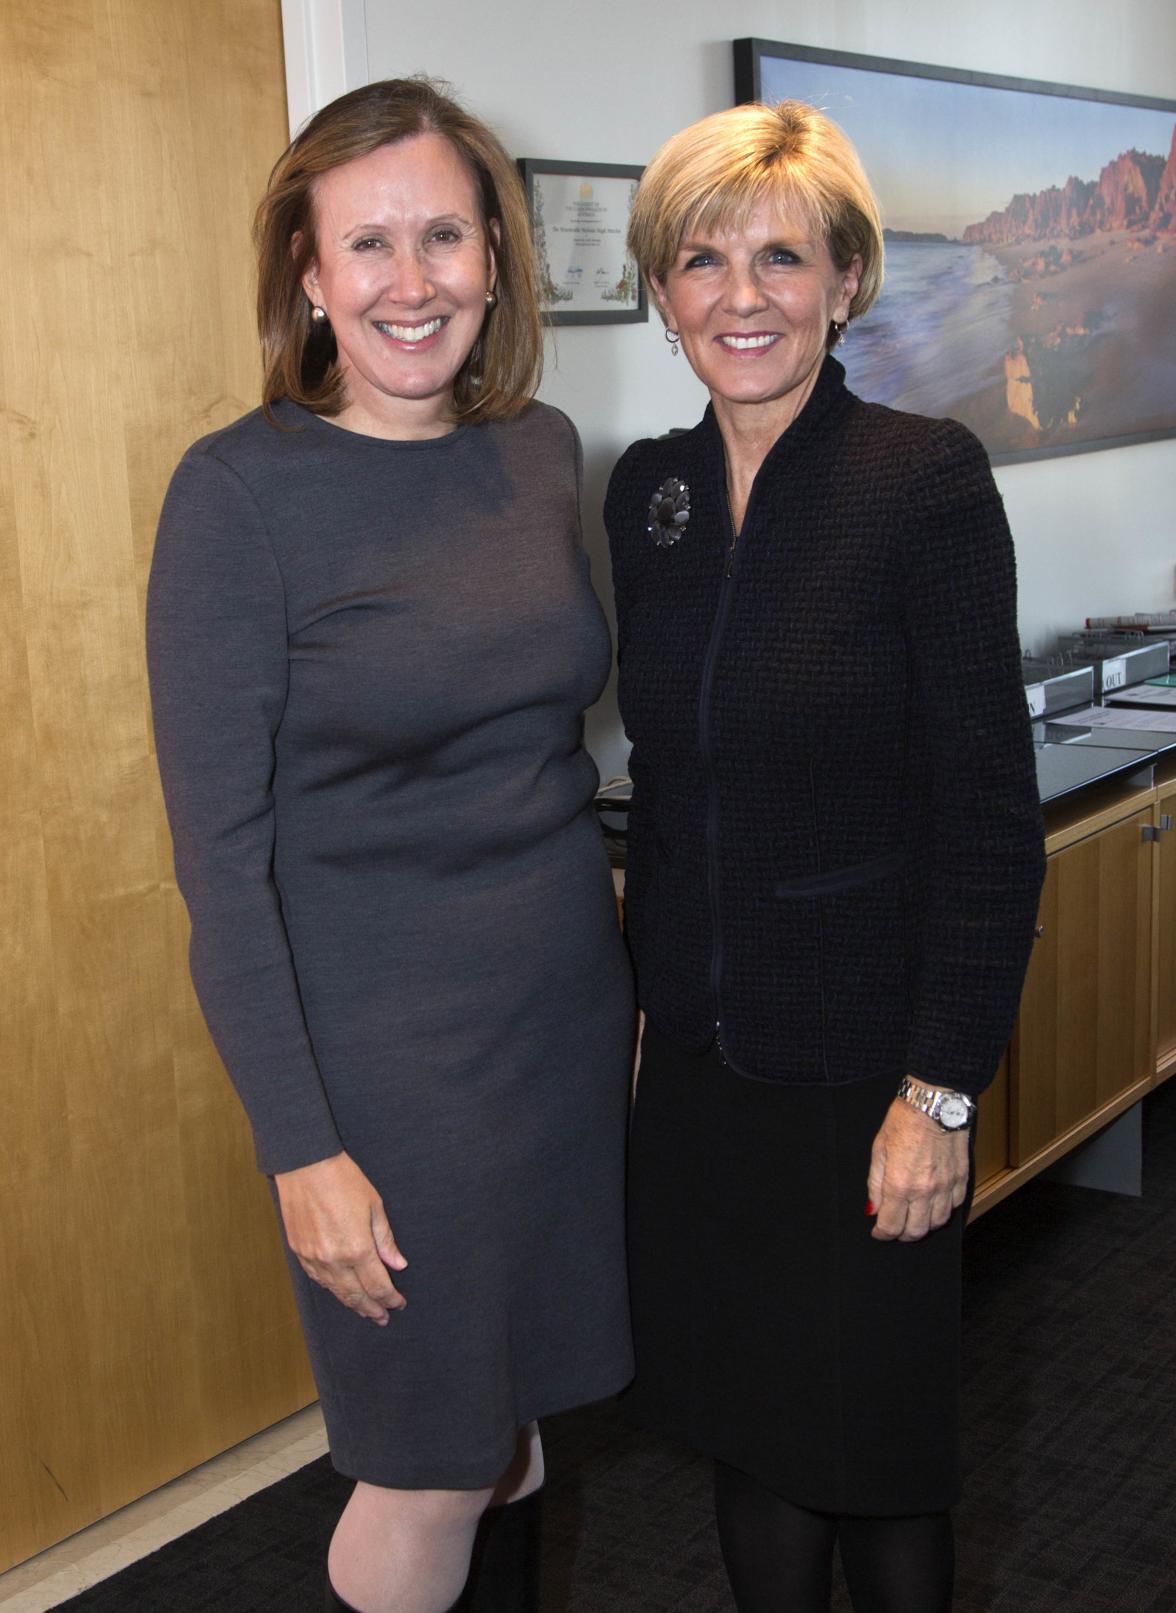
(580, 219)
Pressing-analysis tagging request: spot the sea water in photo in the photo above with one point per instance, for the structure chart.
(937, 334)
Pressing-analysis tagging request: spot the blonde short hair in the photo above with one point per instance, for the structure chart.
(299, 358)
(712, 175)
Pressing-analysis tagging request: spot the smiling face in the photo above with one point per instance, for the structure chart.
(403, 262)
(753, 309)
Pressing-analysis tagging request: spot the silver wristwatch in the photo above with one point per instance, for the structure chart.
(951, 1111)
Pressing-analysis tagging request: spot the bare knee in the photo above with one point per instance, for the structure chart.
(433, 1511)
(404, 1549)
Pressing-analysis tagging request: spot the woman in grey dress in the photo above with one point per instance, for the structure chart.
(372, 637)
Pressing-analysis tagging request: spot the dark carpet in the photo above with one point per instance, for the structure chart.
(1069, 1427)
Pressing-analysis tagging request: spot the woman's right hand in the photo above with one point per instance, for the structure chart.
(335, 1224)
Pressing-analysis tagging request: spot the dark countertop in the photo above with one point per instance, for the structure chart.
(1069, 758)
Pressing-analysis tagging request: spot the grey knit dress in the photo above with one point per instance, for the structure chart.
(369, 663)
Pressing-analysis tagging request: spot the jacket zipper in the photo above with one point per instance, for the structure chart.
(726, 590)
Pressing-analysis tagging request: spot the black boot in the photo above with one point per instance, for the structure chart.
(504, 1564)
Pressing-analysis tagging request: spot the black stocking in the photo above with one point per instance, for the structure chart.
(779, 1557)
(898, 1565)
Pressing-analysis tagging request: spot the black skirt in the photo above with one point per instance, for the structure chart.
(772, 1331)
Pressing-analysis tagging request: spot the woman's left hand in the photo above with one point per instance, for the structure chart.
(918, 1174)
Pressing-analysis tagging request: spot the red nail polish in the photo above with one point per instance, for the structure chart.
(869, 1206)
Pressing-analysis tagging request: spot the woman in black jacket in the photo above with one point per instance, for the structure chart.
(835, 858)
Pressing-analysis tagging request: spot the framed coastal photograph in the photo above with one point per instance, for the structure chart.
(1030, 247)
(580, 219)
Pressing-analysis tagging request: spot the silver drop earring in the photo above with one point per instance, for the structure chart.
(672, 337)
(841, 330)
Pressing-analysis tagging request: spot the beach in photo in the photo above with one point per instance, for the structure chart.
(1030, 254)
(1028, 344)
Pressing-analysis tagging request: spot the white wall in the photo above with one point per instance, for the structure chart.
(609, 80)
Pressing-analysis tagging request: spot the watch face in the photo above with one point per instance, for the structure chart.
(953, 1112)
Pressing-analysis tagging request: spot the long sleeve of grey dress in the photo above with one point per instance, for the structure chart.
(369, 664)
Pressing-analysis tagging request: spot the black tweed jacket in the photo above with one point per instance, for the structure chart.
(836, 843)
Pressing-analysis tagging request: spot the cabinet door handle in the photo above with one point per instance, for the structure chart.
(1038, 931)
(1165, 820)
(1150, 832)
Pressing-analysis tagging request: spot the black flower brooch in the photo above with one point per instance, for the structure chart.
(669, 511)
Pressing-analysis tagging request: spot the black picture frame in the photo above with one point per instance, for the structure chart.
(1082, 264)
(604, 300)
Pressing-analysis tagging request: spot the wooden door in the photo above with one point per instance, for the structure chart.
(146, 1320)
(1083, 1035)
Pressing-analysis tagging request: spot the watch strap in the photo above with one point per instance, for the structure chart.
(931, 1101)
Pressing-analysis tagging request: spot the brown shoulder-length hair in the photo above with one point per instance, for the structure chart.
(299, 357)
